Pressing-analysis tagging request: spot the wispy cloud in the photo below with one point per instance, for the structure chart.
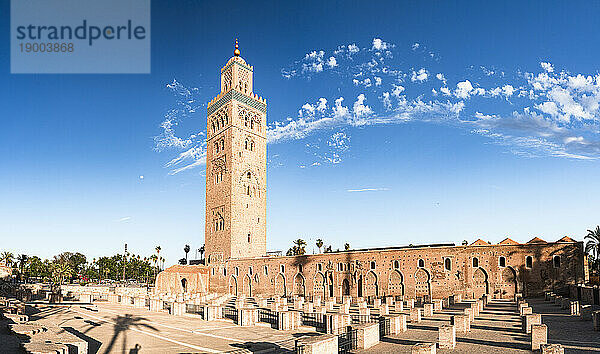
(125, 219)
(542, 112)
(367, 190)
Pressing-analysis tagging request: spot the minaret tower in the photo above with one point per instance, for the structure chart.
(236, 167)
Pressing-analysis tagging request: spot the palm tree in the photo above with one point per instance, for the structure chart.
(593, 245)
(61, 271)
(186, 249)
(299, 248)
(201, 250)
(22, 261)
(7, 257)
(319, 244)
(162, 260)
(347, 246)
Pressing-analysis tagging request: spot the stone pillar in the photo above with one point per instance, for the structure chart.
(345, 308)
(410, 303)
(469, 313)
(399, 306)
(447, 337)
(329, 305)
(308, 307)
(585, 312)
(485, 299)
(552, 349)
(364, 311)
(287, 321)
(397, 324)
(367, 335)
(415, 315)
(525, 310)
(539, 336)
(428, 310)
(566, 303)
(480, 306)
(125, 300)
(529, 320)
(213, 312)
(87, 298)
(362, 304)
(334, 323)
(377, 302)
(423, 348)
(247, 317)
(155, 305)
(263, 303)
(390, 300)
(461, 323)
(475, 308)
(278, 306)
(178, 308)
(438, 305)
(384, 310)
(574, 305)
(320, 309)
(139, 302)
(346, 299)
(596, 320)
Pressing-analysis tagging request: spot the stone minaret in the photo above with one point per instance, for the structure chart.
(236, 167)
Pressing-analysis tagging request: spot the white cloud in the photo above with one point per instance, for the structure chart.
(378, 44)
(508, 90)
(125, 219)
(547, 67)
(415, 46)
(360, 109)
(420, 75)
(332, 62)
(377, 81)
(353, 48)
(463, 89)
(367, 190)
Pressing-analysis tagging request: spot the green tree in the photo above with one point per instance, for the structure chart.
(593, 246)
(22, 262)
(8, 258)
(186, 249)
(319, 244)
(61, 271)
(347, 246)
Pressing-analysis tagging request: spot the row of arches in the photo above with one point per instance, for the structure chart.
(369, 284)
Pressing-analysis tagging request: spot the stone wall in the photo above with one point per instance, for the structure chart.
(396, 271)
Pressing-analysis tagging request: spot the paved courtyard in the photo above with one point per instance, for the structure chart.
(118, 329)
(497, 329)
(113, 328)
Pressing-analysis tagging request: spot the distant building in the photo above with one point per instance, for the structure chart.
(235, 231)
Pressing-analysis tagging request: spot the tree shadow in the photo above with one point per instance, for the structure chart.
(256, 347)
(122, 325)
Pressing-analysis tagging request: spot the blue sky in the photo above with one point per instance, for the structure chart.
(433, 122)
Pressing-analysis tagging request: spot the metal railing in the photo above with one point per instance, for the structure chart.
(316, 320)
(384, 327)
(231, 313)
(347, 341)
(268, 316)
(358, 318)
(195, 309)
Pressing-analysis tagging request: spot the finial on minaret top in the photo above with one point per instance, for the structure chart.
(236, 52)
